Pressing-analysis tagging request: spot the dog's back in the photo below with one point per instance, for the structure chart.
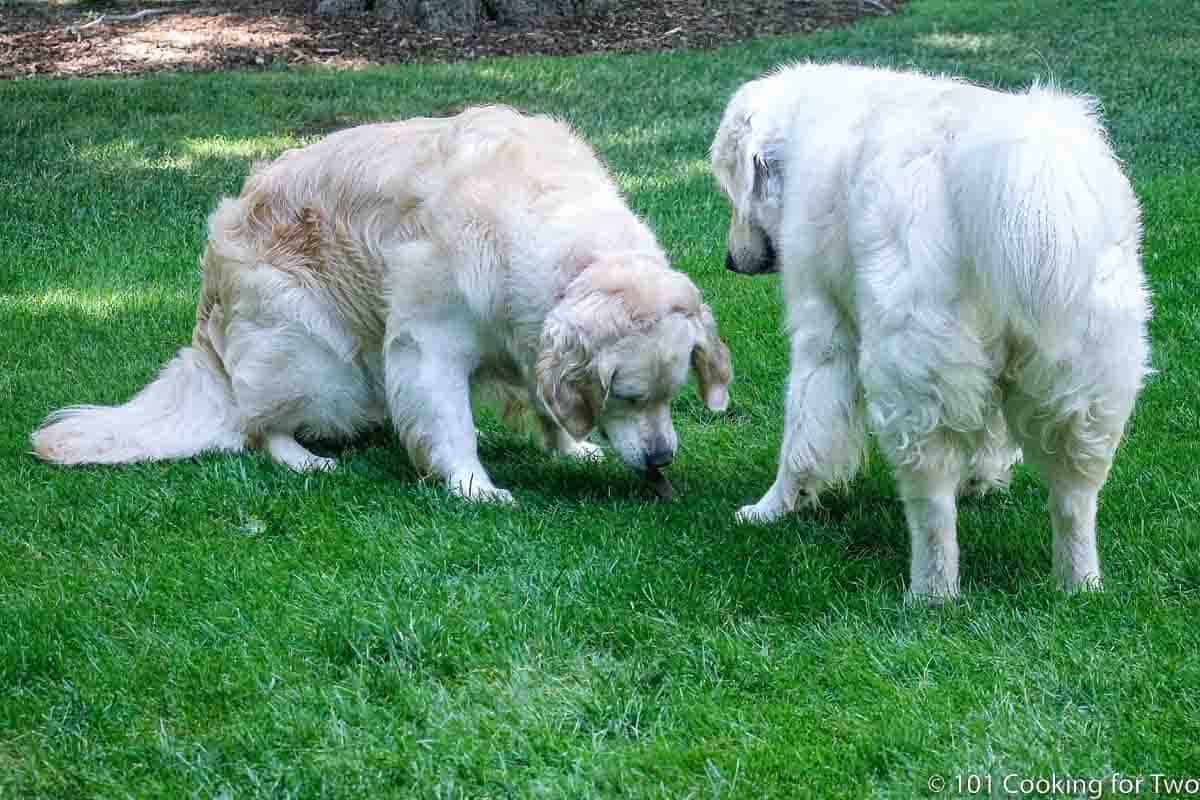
(1017, 194)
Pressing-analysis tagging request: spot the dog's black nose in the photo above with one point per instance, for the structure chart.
(730, 264)
(660, 458)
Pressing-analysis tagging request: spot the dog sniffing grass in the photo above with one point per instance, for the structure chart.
(391, 272)
(225, 626)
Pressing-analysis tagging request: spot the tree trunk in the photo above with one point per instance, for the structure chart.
(341, 8)
(434, 15)
(464, 15)
(523, 12)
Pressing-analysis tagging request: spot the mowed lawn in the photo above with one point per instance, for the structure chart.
(223, 628)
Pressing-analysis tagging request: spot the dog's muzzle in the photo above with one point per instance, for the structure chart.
(765, 264)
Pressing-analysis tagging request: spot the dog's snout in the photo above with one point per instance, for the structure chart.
(770, 261)
(750, 247)
(751, 262)
(660, 457)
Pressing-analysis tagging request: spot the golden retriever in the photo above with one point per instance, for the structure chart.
(388, 270)
(963, 278)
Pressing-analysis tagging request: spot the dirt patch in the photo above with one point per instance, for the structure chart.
(89, 38)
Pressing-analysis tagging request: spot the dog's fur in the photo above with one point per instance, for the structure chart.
(962, 274)
(389, 269)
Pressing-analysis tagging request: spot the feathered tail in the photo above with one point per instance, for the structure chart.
(186, 410)
(1044, 204)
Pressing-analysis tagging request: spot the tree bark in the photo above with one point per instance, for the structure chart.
(517, 12)
(464, 15)
(434, 15)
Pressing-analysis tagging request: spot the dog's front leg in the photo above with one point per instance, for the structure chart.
(428, 383)
(824, 431)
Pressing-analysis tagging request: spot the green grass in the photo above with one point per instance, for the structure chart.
(223, 628)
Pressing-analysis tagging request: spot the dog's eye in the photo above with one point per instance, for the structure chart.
(624, 397)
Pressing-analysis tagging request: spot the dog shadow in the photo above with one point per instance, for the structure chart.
(855, 539)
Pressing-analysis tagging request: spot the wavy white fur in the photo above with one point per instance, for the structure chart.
(962, 274)
(386, 272)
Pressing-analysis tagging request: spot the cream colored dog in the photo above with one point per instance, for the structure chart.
(962, 273)
(388, 270)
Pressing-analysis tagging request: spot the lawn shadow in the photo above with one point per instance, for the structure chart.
(855, 545)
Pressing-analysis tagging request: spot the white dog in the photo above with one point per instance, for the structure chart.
(961, 269)
(385, 271)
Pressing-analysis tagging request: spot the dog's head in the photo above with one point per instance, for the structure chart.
(616, 350)
(748, 165)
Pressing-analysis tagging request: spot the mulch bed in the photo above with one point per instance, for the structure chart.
(39, 39)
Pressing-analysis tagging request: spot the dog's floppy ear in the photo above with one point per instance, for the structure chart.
(745, 161)
(761, 169)
(711, 360)
(568, 383)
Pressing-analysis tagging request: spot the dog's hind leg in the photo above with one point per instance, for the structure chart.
(824, 432)
(930, 388)
(1053, 446)
(286, 382)
(1073, 519)
(926, 402)
(928, 489)
(289, 382)
(284, 448)
(926, 406)
(1069, 418)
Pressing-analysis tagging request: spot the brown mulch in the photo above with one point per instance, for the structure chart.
(121, 38)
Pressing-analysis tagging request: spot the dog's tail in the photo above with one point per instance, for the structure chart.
(186, 410)
(1043, 203)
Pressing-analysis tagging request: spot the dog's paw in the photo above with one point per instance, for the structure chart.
(317, 464)
(478, 489)
(494, 495)
(1080, 583)
(584, 451)
(932, 593)
(759, 514)
(981, 485)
